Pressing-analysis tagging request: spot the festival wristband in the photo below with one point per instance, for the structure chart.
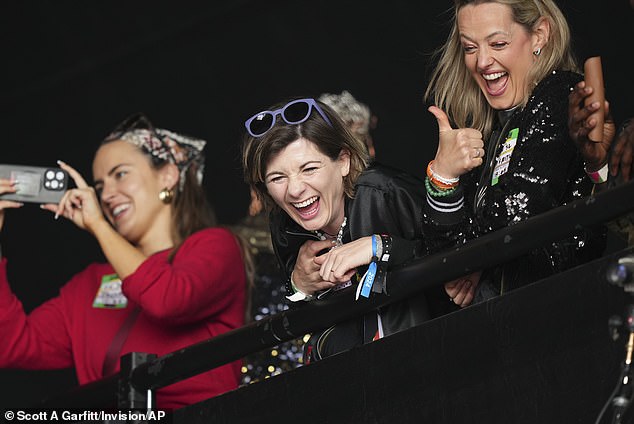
(368, 279)
(298, 295)
(600, 176)
(379, 285)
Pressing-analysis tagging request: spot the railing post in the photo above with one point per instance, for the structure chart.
(129, 397)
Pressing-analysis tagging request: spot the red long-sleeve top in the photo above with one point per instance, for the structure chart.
(199, 295)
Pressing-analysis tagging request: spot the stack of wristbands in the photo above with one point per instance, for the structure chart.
(437, 185)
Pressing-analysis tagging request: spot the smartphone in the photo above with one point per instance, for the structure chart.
(35, 184)
(593, 76)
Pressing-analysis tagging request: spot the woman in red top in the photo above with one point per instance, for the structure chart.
(175, 276)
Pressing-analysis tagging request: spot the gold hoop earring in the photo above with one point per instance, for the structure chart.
(166, 195)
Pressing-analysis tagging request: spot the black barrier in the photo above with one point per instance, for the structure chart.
(539, 354)
(432, 270)
(426, 272)
(100, 393)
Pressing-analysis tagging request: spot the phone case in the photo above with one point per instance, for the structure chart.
(593, 75)
(35, 184)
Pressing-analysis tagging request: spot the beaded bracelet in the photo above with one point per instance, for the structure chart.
(440, 181)
(437, 193)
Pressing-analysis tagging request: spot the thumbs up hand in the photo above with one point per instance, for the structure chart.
(459, 150)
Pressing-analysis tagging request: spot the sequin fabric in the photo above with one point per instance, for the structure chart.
(267, 298)
(545, 171)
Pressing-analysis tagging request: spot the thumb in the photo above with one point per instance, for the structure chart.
(441, 118)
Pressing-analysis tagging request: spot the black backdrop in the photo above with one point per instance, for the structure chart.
(72, 70)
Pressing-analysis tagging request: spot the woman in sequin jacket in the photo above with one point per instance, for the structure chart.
(514, 68)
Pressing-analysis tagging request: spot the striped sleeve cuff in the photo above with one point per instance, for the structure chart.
(445, 210)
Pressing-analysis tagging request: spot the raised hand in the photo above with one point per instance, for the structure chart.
(581, 122)
(459, 150)
(7, 186)
(80, 204)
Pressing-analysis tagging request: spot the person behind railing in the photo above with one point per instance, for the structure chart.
(172, 277)
(356, 115)
(333, 218)
(267, 297)
(500, 92)
(268, 291)
(613, 153)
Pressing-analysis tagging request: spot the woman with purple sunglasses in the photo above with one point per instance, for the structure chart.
(335, 221)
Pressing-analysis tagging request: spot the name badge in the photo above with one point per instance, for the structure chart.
(109, 295)
(504, 158)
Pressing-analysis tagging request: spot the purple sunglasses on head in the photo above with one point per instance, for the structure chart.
(294, 112)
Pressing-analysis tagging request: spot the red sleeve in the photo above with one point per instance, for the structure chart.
(37, 341)
(204, 280)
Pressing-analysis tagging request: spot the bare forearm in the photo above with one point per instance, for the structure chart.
(123, 256)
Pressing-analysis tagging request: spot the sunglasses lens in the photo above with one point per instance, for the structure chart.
(261, 124)
(296, 113)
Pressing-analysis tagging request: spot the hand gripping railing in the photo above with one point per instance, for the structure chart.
(432, 270)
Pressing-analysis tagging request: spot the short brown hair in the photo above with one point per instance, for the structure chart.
(329, 140)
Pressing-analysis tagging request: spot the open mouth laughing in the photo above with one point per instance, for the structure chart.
(307, 208)
(495, 82)
(119, 210)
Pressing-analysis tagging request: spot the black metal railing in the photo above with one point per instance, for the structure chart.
(432, 270)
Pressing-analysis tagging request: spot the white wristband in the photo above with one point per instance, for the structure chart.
(298, 295)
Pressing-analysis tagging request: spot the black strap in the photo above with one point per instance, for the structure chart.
(114, 350)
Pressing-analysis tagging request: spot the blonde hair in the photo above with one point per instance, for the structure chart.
(454, 90)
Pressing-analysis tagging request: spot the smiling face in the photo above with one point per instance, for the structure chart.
(128, 187)
(308, 185)
(498, 52)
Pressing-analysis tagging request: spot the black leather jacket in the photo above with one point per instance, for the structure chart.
(386, 201)
(545, 171)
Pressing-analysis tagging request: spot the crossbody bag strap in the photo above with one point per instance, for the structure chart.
(114, 350)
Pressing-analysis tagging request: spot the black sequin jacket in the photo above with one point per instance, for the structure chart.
(386, 201)
(545, 170)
